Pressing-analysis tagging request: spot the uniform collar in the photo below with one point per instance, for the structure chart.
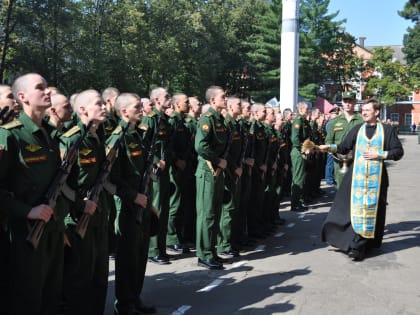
(29, 123)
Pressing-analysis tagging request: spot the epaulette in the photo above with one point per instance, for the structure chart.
(208, 114)
(13, 124)
(151, 114)
(117, 130)
(71, 132)
(187, 119)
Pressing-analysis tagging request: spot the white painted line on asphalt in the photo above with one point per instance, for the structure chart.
(260, 248)
(280, 234)
(301, 216)
(211, 286)
(290, 225)
(181, 310)
(239, 263)
(313, 236)
(111, 277)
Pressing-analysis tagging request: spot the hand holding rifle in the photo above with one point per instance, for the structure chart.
(43, 212)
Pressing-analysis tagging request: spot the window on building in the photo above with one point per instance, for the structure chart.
(408, 119)
(395, 117)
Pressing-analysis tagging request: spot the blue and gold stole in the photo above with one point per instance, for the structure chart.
(366, 183)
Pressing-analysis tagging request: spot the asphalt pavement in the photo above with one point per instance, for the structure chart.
(293, 272)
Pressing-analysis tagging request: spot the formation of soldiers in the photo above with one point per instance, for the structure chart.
(142, 176)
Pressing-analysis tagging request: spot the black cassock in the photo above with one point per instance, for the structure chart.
(337, 229)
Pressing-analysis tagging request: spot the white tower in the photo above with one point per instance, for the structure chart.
(289, 70)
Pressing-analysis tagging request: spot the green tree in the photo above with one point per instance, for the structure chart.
(411, 48)
(325, 50)
(263, 52)
(390, 81)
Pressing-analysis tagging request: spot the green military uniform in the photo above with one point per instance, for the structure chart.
(300, 132)
(231, 196)
(107, 128)
(178, 195)
(283, 158)
(4, 255)
(270, 194)
(71, 123)
(156, 122)
(286, 132)
(314, 164)
(29, 159)
(110, 124)
(255, 205)
(86, 268)
(247, 151)
(210, 142)
(132, 236)
(339, 128)
(188, 231)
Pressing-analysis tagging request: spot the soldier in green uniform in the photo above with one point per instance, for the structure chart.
(286, 132)
(210, 142)
(6, 100)
(259, 170)
(133, 218)
(300, 132)
(188, 229)
(247, 164)
(86, 265)
(283, 160)
(60, 112)
(230, 209)
(181, 141)
(270, 198)
(156, 123)
(340, 127)
(109, 96)
(29, 159)
(314, 163)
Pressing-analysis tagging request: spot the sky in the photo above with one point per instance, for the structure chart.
(377, 20)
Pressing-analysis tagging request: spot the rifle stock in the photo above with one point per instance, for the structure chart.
(100, 183)
(148, 170)
(56, 187)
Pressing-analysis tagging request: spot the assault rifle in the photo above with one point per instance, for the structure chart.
(101, 182)
(148, 171)
(57, 186)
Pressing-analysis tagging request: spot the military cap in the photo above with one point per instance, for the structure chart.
(349, 95)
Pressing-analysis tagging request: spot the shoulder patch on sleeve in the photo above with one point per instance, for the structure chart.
(13, 124)
(71, 132)
(117, 130)
(205, 127)
(144, 127)
(297, 126)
